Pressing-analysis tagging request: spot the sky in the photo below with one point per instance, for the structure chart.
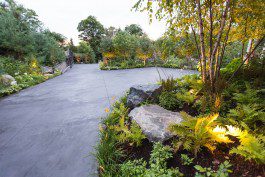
(63, 16)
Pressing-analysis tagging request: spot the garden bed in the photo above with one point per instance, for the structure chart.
(23, 75)
(228, 144)
(140, 64)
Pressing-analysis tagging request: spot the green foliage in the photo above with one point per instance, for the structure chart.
(249, 112)
(251, 147)
(195, 133)
(168, 85)
(125, 45)
(158, 166)
(223, 170)
(185, 97)
(186, 160)
(247, 116)
(21, 35)
(106, 45)
(231, 67)
(91, 30)
(85, 53)
(4, 91)
(13, 67)
(134, 29)
(108, 154)
(133, 134)
(168, 100)
(119, 110)
(190, 82)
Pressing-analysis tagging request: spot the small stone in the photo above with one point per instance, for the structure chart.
(154, 121)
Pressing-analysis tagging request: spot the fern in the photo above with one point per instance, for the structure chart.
(168, 85)
(133, 135)
(250, 96)
(247, 115)
(251, 147)
(195, 133)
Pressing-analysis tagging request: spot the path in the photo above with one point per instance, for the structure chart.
(49, 130)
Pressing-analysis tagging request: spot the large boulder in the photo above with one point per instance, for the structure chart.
(7, 80)
(140, 93)
(154, 121)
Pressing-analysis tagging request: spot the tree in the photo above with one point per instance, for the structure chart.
(134, 29)
(215, 22)
(86, 52)
(22, 35)
(91, 31)
(145, 49)
(111, 32)
(125, 45)
(107, 48)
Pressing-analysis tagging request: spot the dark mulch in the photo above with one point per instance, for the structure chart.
(240, 167)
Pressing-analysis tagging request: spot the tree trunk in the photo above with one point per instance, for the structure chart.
(217, 43)
(249, 48)
(197, 47)
(218, 66)
(211, 41)
(201, 33)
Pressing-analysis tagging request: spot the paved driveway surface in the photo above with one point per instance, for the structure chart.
(49, 130)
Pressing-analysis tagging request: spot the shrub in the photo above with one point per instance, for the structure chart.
(195, 133)
(231, 67)
(22, 35)
(158, 166)
(133, 134)
(13, 67)
(125, 45)
(168, 85)
(185, 97)
(85, 53)
(249, 112)
(251, 147)
(168, 100)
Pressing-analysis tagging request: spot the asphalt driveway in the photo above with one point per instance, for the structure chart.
(50, 130)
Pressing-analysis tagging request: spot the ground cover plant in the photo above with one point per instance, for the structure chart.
(25, 46)
(214, 139)
(222, 132)
(26, 74)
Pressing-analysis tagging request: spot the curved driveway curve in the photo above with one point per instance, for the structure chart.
(49, 130)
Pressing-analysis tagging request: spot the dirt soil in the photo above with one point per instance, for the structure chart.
(240, 167)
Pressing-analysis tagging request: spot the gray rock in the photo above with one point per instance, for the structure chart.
(154, 121)
(7, 80)
(47, 70)
(62, 67)
(140, 93)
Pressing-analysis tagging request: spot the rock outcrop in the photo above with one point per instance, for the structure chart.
(140, 93)
(7, 80)
(154, 121)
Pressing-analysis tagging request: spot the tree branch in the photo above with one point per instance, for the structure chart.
(247, 57)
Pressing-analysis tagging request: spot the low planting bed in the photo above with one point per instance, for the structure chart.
(18, 75)
(221, 135)
(116, 64)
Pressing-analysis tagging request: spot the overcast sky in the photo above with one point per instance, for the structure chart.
(63, 16)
